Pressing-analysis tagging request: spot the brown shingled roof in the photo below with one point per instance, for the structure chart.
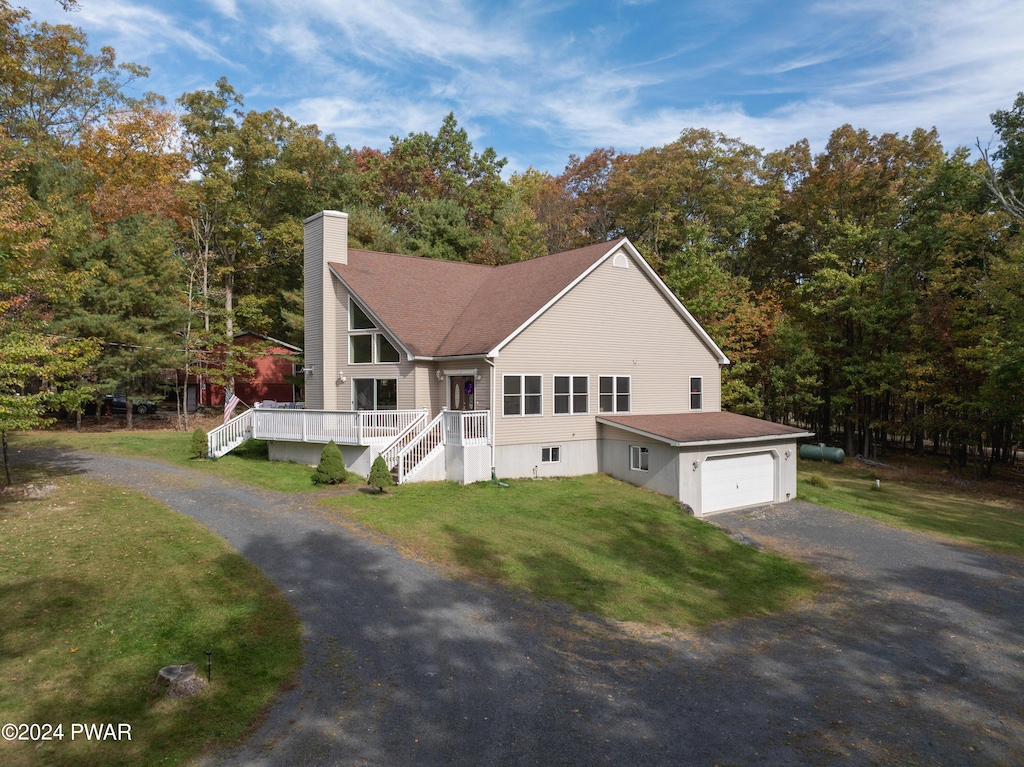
(688, 428)
(448, 308)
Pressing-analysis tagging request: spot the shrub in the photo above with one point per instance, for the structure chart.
(816, 480)
(380, 475)
(331, 469)
(200, 444)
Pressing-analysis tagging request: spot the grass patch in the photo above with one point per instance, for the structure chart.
(100, 588)
(247, 464)
(600, 545)
(816, 480)
(924, 505)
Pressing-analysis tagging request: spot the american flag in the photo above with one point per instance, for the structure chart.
(230, 405)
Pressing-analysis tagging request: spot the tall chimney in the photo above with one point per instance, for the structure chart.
(325, 241)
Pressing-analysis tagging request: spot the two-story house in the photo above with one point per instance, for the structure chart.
(572, 363)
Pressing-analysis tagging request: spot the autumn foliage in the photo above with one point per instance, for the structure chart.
(869, 291)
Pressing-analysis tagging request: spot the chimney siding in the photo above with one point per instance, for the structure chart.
(325, 240)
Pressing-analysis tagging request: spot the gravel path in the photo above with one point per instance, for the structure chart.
(914, 657)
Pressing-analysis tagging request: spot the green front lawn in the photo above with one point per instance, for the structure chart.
(926, 503)
(597, 544)
(247, 463)
(600, 545)
(99, 589)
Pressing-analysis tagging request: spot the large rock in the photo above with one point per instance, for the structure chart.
(171, 675)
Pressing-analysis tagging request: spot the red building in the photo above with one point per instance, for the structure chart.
(273, 371)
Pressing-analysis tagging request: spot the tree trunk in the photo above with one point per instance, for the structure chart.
(7, 460)
(129, 422)
(919, 429)
(229, 331)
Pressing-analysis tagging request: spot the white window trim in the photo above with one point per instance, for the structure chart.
(374, 347)
(522, 395)
(550, 448)
(615, 394)
(352, 334)
(351, 314)
(570, 376)
(640, 451)
(690, 392)
(375, 379)
(374, 333)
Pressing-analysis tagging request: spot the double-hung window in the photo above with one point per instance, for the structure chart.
(696, 393)
(571, 394)
(521, 395)
(638, 458)
(613, 394)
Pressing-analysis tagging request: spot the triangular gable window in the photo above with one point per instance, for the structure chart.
(357, 318)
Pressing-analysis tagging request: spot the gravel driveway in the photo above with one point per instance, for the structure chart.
(913, 657)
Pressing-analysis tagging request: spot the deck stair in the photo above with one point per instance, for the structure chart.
(404, 438)
(228, 436)
(423, 446)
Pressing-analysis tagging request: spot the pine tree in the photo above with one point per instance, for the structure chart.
(200, 444)
(380, 476)
(331, 470)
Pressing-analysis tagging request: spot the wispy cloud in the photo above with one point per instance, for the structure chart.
(139, 30)
(391, 32)
(538, 80)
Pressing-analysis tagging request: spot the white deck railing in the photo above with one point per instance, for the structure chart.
(345, 427)
(228, 436)
(466, 427)
(408, 441)
(410, 456)
(407, 435)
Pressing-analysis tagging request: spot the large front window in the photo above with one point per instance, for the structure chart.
(521, 395)
(375, 393)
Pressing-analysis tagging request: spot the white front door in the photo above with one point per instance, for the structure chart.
(734, 481)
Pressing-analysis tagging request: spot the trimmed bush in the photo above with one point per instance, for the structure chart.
(199, 445)
(331, 469)
(380, 476)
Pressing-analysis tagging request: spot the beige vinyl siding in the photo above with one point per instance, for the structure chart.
(423, 375)
(335, 346)
(325, 240)
(439, 388)
(313, 342)
(615, 322)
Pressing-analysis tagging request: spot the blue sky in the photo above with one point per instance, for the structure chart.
(538, 80)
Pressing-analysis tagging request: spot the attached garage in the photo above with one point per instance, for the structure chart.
(710, 462)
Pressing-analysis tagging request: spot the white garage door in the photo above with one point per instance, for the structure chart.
(732, 481)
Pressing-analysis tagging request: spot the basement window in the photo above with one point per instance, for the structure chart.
(638, 458)
(551, 454)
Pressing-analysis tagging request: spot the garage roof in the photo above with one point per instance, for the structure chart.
(702, 428)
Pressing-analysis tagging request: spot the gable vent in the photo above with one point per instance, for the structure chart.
(620, 261)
